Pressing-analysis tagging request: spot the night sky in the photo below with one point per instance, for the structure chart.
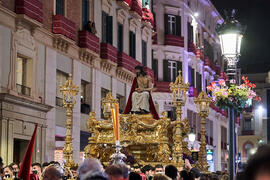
(255, 50)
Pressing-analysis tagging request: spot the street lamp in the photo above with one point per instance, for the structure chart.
(69, 92)
(230, 34)
(179, 94)
(203, 102)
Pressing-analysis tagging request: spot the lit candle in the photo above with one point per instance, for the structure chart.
(115, 117)
(117, 138)
(203, 106)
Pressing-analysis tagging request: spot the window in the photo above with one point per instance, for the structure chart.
(122, 102)
(120, 37)
(103, 95)
(107, 28)
(60, 7)
(85, 97)
(191, 76)
(172, 24)
(24, 75)
(190, 33)
(247, 124)
(85, 12)
(198, 82)
(132, 44)
(144, 53)
(155, 68)
(61, 79)
(170, 70)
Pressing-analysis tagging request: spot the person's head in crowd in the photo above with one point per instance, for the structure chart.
(125, 170)
(147, 170)
(137, 168)
(240, 176)
(171, 172)
(134, 176)
(16, 168)
(205, 177)
(224, 177)
(258, 166)
(161, 177)
(44, 165)
(74, 172)
(51, 173)
(185, 175)
(88, 165)
(114, 172)
(95, 175)
(159, 169)
(8, 172)
(215, 176)
(36, 169)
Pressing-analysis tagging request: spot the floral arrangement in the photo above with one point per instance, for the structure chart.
(233, 96)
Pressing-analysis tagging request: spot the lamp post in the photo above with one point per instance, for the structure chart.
(179, 90)
(203, 102)
(69, 92)
(230, 35)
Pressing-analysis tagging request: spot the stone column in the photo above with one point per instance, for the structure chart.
(96, 92)
(50, 94)
(217, 144)
(114, 87)
(3, 139)
(76, 119)
(159, 10)
(160, 69)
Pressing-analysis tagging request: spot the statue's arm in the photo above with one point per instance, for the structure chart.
(150, 84)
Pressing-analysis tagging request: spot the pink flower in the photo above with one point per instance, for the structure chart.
(213, 84)
(221, 82)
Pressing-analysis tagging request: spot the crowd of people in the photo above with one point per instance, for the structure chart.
(258, 168)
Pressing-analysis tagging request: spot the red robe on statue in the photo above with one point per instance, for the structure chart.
(129, 103)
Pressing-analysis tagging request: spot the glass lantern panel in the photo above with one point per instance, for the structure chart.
(239, 43)
(229, 44)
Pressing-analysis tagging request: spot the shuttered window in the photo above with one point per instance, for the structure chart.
(191, 77)
(170, 70)
(144, 53)
(85, 12)
(155, 68)
(60, 7)
(120, 37)
(132, 44)
(190, 32)
(172, 24)
(198, 82)
(107, 28)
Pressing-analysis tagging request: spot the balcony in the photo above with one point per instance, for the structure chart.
(192, 48)
(193, 92)
(148, 16)
(124, 3)
(107, 51)
(21, 89)
(162, 86)
(31, 8)
(89, 41)
(248, 132)
(63, 26)
(199, 54)
(174, 40)
(136, 8)
(127, 61)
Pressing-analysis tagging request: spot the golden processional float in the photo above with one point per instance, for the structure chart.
(150, 141)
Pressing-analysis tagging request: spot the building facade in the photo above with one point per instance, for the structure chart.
(41, 42)
(186, 40)
(254, 128)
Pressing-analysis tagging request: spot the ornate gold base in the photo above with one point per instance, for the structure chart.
(148, 140)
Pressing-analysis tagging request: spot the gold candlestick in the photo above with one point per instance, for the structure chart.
(203, 102)
(179, 89)
(69, 92)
